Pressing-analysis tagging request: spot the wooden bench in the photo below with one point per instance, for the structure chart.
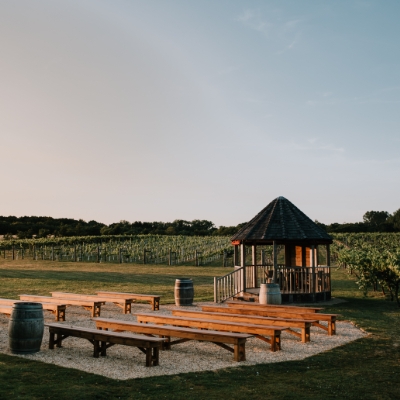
(93, 306)
(154, 300)
(259, 331)
(222, 339)
(295, 309)
(125, 304)
(303, 325)
(57, 309)
(6, 310)
(329, 318)
(102, 340)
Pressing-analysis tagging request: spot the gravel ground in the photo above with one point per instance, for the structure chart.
(123, 362)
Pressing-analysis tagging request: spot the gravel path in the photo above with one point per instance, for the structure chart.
(124, 362)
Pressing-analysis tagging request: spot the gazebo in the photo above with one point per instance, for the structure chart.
(298, 256)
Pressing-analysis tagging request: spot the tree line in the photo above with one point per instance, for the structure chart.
(39, 227)
(373, 221)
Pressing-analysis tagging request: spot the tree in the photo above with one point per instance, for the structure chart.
(376, 219)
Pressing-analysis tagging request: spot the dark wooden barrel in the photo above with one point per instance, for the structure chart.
(25, 329)
(184, 292)
(273, 294)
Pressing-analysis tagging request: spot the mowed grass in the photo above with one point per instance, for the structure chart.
(42, 277)
(368, 368)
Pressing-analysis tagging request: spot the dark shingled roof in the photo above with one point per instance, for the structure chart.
(282, 221)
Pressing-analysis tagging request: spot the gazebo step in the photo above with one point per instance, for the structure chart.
(247, 296)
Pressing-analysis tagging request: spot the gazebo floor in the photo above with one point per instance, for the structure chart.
(253, 295)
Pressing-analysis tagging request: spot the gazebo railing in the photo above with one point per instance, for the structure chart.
(292, 280)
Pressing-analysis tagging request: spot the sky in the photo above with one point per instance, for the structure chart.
(158, 110)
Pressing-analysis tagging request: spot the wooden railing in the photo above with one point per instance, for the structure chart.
(292, 280)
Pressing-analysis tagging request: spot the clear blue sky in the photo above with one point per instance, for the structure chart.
(158, 110)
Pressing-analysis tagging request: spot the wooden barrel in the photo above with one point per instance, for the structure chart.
(262, 297)
(25, 328)
(184, 292)
(273, 294)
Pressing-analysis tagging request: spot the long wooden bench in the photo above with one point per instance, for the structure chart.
(93, 306)
(6, 310)
(102, 340)
(289, 324)
(295, 309)
(125, 304)
(259, 331)
(57, 309)
(222, 339)
(329, 318)
(154, 300)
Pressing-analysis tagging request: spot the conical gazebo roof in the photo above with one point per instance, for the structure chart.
(283, 222)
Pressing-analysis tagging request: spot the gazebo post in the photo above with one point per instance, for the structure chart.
(275, 261)
(243, 265)
(254, 262)
(328, 263)
(313, 271)
(235, 255)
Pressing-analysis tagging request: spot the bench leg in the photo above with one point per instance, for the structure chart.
(156, 353)
(96, 349)
(59, 339)
(148, 357)
(51, 341)
(103, 348)
(305, 335)
(96, 311)
(331, 328)
(239, 351)
(128, 308)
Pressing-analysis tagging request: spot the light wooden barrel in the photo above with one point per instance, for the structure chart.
(262, 297)
(25, 328)
(273, 294)
(184, 292)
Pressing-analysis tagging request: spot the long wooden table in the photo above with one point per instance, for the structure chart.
(259, 331)
(153, 299)
(93, 306)
(289, 324)
(222, 339)
(57, 309)
(329, 318)
(295, 309)
(102, 340)
(124, 303)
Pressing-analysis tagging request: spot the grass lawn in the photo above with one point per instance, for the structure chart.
(366, 369)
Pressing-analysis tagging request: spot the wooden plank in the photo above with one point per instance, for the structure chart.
(295, 309)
